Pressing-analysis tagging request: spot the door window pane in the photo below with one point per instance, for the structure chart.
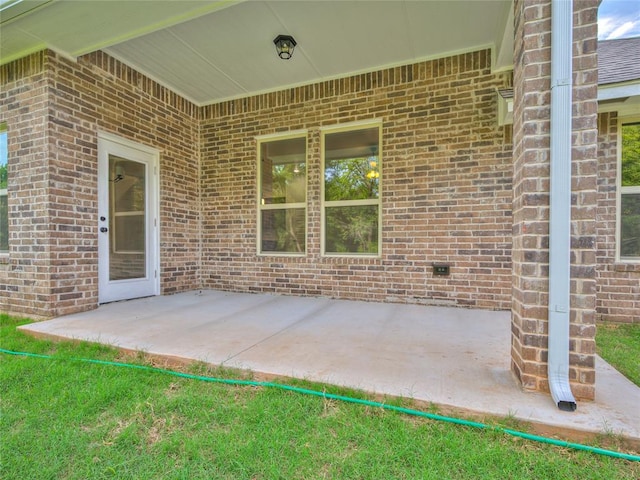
(127, 219)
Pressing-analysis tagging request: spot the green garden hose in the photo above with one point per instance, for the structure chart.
(342, 398)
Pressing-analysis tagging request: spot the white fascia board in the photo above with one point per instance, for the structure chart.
(619, 90)
(622, 98)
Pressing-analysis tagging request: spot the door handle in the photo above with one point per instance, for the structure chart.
(104, 229)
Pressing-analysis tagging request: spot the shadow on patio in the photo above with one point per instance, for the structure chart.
(452, 357)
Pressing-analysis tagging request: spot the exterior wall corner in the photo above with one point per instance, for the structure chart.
(532, 92)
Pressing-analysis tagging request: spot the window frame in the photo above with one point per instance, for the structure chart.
(620, 190)
(261, 139)
(4, 192)
(348, 127)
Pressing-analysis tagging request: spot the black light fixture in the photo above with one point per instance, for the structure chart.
(284, 46)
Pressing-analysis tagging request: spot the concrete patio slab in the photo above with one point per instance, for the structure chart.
(452, 357)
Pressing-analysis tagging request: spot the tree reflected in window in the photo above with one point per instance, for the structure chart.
(629, 246)
(352, 192)
(283, 195)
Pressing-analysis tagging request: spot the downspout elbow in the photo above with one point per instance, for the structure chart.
(558, 364)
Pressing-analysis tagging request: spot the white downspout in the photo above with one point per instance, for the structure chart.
(560, 203)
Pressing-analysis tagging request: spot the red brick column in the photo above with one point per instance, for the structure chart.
(531, 138)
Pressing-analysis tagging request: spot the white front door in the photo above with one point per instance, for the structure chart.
(128, 260)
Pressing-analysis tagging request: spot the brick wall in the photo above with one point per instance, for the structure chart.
(531, 198)
(584, 201)
(446, 193)
(618, 297)
(452, 190)
(446, 196)
(531, 187)
(24, 105)
(54, 109)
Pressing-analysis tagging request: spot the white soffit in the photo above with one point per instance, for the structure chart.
(77, 27)
(230, 54)
(227, 51)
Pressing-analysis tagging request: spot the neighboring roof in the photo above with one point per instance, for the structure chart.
(618, 60)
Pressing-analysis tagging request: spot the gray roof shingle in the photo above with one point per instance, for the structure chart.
(618, 60)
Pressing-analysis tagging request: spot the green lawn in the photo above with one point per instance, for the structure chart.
(63, 419)
(620, 346)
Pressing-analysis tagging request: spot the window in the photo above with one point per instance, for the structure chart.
(351, 191)
(4, 206)
(127, 206)
(282, 195)
(629, 207)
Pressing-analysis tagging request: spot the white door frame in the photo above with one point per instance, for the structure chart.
(110, 291)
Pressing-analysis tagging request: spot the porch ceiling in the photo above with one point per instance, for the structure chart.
(209, 51)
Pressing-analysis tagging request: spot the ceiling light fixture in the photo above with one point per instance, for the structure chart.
(284, 46)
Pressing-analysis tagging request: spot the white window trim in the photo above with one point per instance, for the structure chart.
(620, 190)
(281, 206)
(346, 127)
(4, 192)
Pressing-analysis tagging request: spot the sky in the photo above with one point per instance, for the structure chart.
(618, 19)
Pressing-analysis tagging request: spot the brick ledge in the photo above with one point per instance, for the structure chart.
(626, 267)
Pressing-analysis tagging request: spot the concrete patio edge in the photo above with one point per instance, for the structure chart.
(454, 359)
